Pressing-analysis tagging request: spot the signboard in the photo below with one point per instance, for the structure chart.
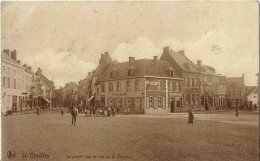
(153, 83)
(119, 94)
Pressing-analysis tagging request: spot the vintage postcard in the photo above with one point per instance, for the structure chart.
(130, 81)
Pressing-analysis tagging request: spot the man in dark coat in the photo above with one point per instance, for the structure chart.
(74, 113)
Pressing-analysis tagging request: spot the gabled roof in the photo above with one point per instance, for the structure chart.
(204, 69)
(140, 68)
(7, 58)
(235, 81)
(48, 82)
(182, 60)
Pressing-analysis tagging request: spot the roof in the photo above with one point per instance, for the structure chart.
(182, 60)
(45, 80)
(140, 68)
(235, 81)
(204, 69)
(7, 58)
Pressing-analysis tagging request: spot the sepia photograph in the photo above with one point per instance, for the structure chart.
(129, 81)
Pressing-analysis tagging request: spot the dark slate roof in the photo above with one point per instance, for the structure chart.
(235, 81)
(204, 69)
(183, 61)
(141, 68)
(5, 57)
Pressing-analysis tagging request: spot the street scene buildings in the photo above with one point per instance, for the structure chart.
(171, 83)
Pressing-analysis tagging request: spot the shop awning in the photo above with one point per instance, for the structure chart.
(91, 98)
(46, 99)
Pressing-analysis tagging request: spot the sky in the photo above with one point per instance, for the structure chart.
(66, 39)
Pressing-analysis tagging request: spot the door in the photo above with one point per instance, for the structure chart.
(172, 105)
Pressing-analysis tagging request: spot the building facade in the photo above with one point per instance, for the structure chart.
(140, 87)
(13, 80)
(236, 92)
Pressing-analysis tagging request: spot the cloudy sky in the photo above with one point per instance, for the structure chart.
(66, 39)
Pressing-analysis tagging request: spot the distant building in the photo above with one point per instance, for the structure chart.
(236, 96)
(70, 94)
(212, 87)
(140, 86)
(191, 75)
(13, 82)
(42, 90)
(84, 89)
(252, 96)
(29, 80)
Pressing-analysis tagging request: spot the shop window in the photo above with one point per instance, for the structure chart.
(150, 102)
(159, 102)
(159, 86)
(118, 86)
(138, 102)
(178, 103)
(187, 98)
(128, 85)
(137, 85)
(197, 99)
(129, 102)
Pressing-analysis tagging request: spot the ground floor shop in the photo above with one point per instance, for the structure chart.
(234, 103)
(210, 101)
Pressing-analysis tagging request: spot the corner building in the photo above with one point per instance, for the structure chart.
(141, 86)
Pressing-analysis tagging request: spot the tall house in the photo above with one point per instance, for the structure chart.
(141, 86)
(212, 87)
(43, 89)
(13, 80)
(29, 80)
(236, 92)
(186, 69)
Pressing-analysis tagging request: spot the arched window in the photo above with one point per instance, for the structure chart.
(150, 102)
(111, 87)
(159, 102)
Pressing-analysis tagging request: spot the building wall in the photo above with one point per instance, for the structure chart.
(12, 86)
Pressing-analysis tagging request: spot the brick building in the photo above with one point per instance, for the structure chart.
(186, 70)
(141, 86)
(236, 95)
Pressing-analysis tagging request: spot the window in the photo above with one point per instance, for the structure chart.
(9, 70)
(174, 86)
(138, 102)
(193, 98)
(190, 82)
(118, 86)
(14, 83)
(193, 82)
(202, 89)
(150, 102)
(239, 92)
(177, 86)
(159, 86)
(187, 98)
(129, 102)
(196, 82)
(3, 81)
(171, 72)
(103, 87)
(185, 82)
(110, 87)
(159, 103)
(234, 92)
(171, 86)
(128, 85)
(137, 85)
(97, 91)
(197, 99)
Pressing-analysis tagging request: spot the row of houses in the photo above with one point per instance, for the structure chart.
(167, 84)
(22, 89)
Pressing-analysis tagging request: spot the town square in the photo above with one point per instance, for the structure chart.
(130, 81)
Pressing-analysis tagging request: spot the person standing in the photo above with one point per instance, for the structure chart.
(61, 111)
(38, 110)
(191, 116)
(74, 113)
(237, 112)
(113, 111)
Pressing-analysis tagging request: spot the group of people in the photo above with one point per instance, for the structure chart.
(104, 111)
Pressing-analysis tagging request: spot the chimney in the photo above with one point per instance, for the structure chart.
(199, 62)
(181, 51)
(18, 61)
(6, 51)
(155, 58)
(13, 54)
(106, 53)
(131, 59)
(166, 49)
(29, 67)
(102, 56)
(25, 65)
(39, 71)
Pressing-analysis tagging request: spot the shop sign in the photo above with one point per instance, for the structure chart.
(119, 94)
(153, 83)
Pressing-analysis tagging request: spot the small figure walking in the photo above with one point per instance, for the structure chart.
(113, 111)
(191, 116)
(38, 110)
(74, 114)
(61, 111)
(237, 112)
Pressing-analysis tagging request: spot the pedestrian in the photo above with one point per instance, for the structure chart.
(74, 113)
(94, 111)
(86, 112)
(191, 116)
(105, 111)
(113, 111)
(237, 112)
(117, 110)
(38, 110)
(61, 111)
(109, 111)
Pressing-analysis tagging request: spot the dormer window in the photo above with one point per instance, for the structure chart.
(113, 74)
(171, 72)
